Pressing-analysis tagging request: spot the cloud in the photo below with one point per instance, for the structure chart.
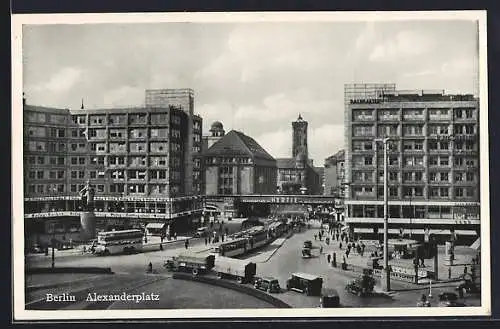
(324, 141)
(61, 81)
(419, 73)
(277, 143)
(125, 96)
(405, 44)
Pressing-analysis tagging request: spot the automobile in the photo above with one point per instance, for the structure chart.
(363, 286)
(329, 298)
(306, 253)
(306, 283)
(268, 284)
(201, 232)
(467, 285)
(308, 244)
(449, 299)
(37, 249)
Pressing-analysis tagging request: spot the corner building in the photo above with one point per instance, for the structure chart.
(433, 164)
(144, 163)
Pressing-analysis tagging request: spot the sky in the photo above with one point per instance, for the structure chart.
(253, 77)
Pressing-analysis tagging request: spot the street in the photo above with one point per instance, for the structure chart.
(279, 259)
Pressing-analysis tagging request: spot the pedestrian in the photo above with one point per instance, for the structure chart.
(186, 243)
(161, 246)
(340, 245)
(315, 237)
(321, 249)
(328, 258)
(449, 272)
(334, 261)
(175, 236)
(362, 248)
(150, 268)
(84, 249)
(465, 269)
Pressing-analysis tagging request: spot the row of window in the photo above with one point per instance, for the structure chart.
(412, 114)
(409, 161)
(416, 191)
(122, 119)
(411, 145)
(155, 161)
(213, 160)
(416, 176)
(413, 130)
(100, 188)
(402, 211)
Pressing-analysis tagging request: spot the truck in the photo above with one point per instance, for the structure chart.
(243, 271)
(191, 262)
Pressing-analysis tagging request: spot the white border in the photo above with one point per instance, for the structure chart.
(18, 21)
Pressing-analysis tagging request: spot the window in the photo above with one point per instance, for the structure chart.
(469, 113)
(458, 113)
(32, 174)
(60, 174)
(81, 174)
(443, 177)
(443, 145)
(459, 176)
(81, 161)
(433, 177)
(469, 176)
(39, 174)
(393, 176)
(100, 188)
(418, 176)
(73, 188)
(363, 131)
(444, 161)
(41, 160)
(443, 191)
(459, 192)
(368, 161)
(74, 174)
(93, 174)
(433, 161)
(393, 191)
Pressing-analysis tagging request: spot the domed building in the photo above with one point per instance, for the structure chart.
(216, 133)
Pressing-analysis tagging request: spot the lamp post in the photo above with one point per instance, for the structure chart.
(386, 279)
(53, 243)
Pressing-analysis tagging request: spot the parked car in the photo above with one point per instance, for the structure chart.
(309, 284)
(449, 299)
(363, 286)
(329, 298)
(201, 232)
(306, 253)
(268, 284)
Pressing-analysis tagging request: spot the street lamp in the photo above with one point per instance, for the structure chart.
(53, 243)
(386, 279)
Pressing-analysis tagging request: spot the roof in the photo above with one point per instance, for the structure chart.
(337, 157)
(285, 163)
(238, 144)
(306, 276)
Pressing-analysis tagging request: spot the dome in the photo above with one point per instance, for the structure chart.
(217, 125)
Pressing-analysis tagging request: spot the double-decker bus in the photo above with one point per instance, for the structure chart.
(116, 242)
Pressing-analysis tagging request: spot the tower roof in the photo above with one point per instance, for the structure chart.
(217, 125)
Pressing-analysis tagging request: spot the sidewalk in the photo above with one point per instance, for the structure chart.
(463, 257)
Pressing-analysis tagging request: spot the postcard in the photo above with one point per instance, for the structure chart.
(230, 165)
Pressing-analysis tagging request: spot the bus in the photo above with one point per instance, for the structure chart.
(116, 242)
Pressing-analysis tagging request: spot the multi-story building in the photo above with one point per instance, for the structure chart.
(237, 165)
(135, 158)
(296, 175)
(334, 173)
(433, 163)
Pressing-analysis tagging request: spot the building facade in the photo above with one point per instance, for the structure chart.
(237, 165)
(433, 163)
(334, 174)
(135, 158)
(297, 175)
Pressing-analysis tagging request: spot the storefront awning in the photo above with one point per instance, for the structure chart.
(476, 245)
(156, 225)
